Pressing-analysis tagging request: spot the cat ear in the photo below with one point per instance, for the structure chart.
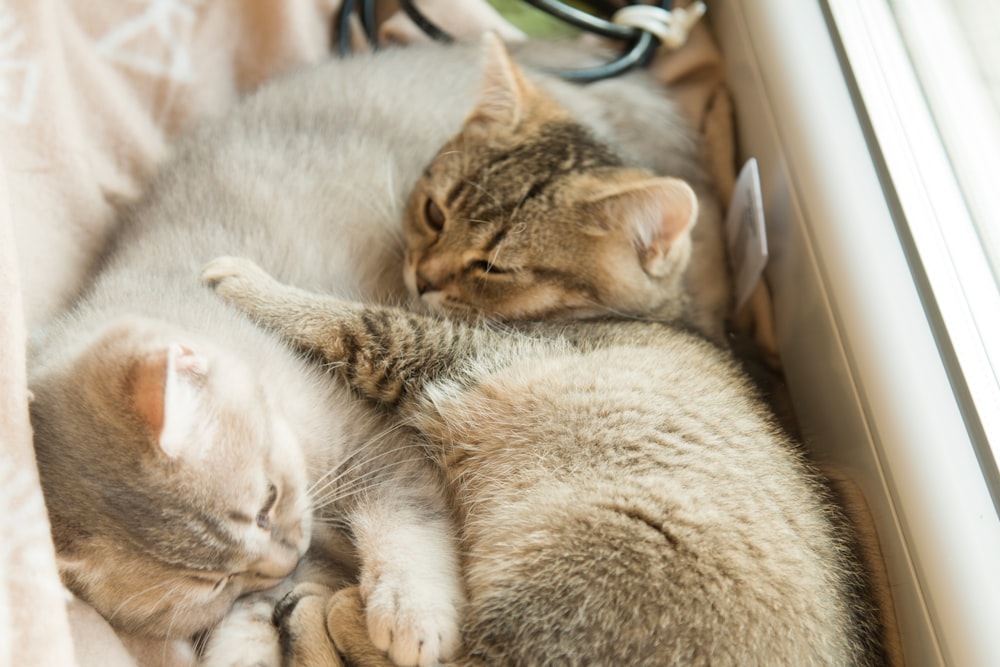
(501, 101)
(656, 211)
(165, 392)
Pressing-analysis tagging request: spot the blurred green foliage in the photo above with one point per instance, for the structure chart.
(537, 23)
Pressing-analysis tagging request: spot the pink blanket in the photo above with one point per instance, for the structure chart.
(90, 94)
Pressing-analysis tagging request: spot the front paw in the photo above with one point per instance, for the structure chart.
(246, 636)
(415, 624)
(321, 628)
(236, 279)
(300, 617)
(232, 269)
(233, 276)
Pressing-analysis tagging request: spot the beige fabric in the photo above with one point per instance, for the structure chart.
(90, 93)
(33, 626)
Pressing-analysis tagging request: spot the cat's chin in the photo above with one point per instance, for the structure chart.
(442, 304)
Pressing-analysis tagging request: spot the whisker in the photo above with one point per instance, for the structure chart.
(361, 482)
(124, 602)
(317, 491)
(494, 256)
(442, 154)
(615, 312)
(161, 599)
(336, 472)
(173, 618)
(493, 198)
(336, 475)
(206, 634)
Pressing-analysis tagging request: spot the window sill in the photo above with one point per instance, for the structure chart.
(867, 379)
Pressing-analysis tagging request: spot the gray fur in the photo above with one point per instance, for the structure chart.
(625, 496)
(308, 177)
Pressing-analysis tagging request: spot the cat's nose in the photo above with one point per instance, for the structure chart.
(280, 559)
(424, 284)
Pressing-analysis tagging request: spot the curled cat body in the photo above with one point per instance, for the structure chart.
(188, 457)
(625, 497)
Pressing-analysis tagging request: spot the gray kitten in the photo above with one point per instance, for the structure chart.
(188, 457)
(625, 498)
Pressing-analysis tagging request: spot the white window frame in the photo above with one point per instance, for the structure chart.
(859, 338)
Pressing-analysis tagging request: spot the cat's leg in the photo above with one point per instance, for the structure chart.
(391, 502)
(345, 621)
(311, 626)
(410, 581)
(384, 352)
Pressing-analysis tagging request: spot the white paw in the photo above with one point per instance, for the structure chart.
(240, 282)
(223, 268)
(245, 637)
(415, 623)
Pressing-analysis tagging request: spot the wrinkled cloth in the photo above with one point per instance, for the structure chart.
(90, 95)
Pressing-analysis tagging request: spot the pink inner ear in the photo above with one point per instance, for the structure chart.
(164, 394)
(655, 211)
(676, 207)
(663, 210)
(148, 385)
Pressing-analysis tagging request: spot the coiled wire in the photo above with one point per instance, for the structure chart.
(639, 45)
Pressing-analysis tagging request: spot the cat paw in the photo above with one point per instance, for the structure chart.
(234, 276)
(285, 610)
(301, 619)
(245, 637)
(414, 625)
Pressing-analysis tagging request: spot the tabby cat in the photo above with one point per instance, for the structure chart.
(188, 457)
(623, 494)
(624, 497)
(525, 214)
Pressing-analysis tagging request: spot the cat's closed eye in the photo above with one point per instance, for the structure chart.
(484, 266)
(263, 516)
(434, 215)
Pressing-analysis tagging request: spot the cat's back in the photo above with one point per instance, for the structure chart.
(644, 460)
(308, 176)
(602, 399)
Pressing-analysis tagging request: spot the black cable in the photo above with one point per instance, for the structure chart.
(584, 20)
(344, 28)
(639, 54)
(640, 45)
(424, 23)
(369, 23)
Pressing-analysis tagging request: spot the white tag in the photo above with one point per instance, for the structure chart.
(746, 233)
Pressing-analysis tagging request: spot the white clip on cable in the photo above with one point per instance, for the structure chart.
(670, 27)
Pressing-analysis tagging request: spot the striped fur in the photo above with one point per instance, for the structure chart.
(624, 494)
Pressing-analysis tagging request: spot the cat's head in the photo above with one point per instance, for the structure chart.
(524, 214)
(172, 484)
